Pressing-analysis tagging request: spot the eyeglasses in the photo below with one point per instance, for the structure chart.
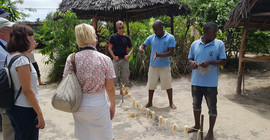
(120, 27)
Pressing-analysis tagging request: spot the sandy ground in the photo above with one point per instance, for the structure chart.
(245, 117)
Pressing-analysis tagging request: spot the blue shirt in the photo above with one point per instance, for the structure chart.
(199, 52)
(3, 54)
(160, 45)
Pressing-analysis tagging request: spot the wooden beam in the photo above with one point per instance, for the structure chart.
(241, 56)
(255, 60)
(261, 14)
(252, 5)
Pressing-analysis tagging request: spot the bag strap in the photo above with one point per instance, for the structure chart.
(3, 46)
(73, 62)
(88, 47)
(13, 59)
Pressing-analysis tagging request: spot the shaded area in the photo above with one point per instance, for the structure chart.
(256, 100)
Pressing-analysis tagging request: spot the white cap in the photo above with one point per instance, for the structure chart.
(5, 23)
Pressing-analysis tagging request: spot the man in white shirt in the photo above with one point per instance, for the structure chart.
(5, 27)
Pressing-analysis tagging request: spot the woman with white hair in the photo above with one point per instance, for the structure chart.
(95, 73)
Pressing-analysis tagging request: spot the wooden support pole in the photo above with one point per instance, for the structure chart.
(202, 120)
(127, 23)
(241, 56)
(114, 25)
(172, 27)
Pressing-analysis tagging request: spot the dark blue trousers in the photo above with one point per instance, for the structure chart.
(24, 121)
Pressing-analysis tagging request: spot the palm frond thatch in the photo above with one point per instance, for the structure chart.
(110, 10)
(256, 12)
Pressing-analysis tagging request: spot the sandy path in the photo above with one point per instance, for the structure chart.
(239, 117)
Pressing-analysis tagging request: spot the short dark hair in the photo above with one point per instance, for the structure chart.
(209, 25)
(18, 38)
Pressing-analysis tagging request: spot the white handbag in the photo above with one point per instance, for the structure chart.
(68, 95)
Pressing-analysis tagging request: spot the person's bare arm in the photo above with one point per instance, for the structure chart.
(141, 49)
(220, 62)
(109, 86)
(115, 58)
(166, 54)
(129, 54)
(25, 80)
(193, 64)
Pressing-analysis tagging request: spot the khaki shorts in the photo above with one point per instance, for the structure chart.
(162, 73)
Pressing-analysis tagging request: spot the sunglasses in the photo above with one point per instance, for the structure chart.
(120, 27)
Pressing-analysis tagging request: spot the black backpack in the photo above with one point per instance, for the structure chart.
(6, 86)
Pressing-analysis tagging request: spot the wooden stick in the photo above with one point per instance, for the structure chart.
(202, 119)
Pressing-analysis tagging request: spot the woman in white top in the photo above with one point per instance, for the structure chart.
(95, 73)
(26, 116)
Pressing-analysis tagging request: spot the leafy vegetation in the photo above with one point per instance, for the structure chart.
(10, 7)
(59, 38)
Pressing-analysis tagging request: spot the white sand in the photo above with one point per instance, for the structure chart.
(239, 117)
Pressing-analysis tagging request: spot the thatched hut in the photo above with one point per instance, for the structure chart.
(126, 10)
(252, 14)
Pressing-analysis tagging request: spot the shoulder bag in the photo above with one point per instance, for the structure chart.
(68, 95)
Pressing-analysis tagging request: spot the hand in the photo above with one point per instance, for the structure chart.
(141, 51)
(126, 57)
(116, 58)
(112, 111)
(204, 64)
(194, 65)
(155, 56)
(41, 122)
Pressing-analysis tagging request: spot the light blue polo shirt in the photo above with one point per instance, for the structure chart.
(214, 50)
(160, 45)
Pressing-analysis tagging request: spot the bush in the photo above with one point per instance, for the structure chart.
(59, 38)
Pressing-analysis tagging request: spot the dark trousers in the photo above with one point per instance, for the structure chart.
(24, 121)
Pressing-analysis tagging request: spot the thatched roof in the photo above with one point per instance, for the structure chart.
(256, 12)
(111, 10)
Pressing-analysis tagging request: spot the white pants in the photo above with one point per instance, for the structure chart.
(92, 120)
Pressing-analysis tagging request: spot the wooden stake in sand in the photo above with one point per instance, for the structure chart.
(134, 103)
(129, 96)
(174, 128)
(201, 130)
(153, 115)
(147, 113)
(142, 107)
(166, 123)
(160, 120)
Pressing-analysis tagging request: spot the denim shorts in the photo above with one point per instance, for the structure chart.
(210, 95)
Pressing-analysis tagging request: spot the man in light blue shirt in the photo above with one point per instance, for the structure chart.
(205, 57)
(5, 27)
(162, 47)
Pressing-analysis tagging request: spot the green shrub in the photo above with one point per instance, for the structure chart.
(59, 38)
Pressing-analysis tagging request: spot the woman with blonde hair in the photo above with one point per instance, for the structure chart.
(95, 74)
(26, 116)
